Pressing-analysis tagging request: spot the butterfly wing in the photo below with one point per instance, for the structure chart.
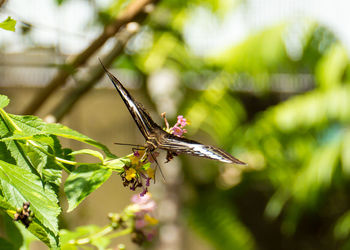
(142, 119)
(165, 140)
(179, 145)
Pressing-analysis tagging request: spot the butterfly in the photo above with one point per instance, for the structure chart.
(157, 138)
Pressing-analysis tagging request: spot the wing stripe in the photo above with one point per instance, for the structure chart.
(136, 110)
(184, 146)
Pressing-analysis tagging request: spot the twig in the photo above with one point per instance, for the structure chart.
(95, 73)
(137, 9)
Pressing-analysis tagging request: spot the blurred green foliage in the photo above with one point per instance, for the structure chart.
(285, 114)
(282, 109)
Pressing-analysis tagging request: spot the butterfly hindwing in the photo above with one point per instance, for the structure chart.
(185, 146)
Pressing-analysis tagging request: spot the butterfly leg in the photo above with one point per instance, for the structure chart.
(158, 166)
(170, 155)
(144, 156)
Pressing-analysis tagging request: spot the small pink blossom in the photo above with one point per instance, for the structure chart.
(177, 131)
(181, 121)
(140, 223)
(145, 203)
(150, 235)
(140, 200)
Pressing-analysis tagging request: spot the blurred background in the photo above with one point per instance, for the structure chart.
(267, 81)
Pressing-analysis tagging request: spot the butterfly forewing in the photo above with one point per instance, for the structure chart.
(142, 119)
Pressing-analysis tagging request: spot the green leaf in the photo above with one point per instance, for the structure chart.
(80, 232)
(5, 245)
(12, 232)
(88, 152)
(19, 185)
(36, 157)
(43, 234)
(13, 149)
(330, 69)
(83, 181)
(33, 127)
(35, 229)
(63, 131)
(30, 125)
(8, 24)
(5, 205)
(218, 223)
(317, 174)
(117, 164)
(342, 227)
(4, 101)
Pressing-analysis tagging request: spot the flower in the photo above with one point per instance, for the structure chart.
(181, 121)
(178, 129)
(144, 207)
(130, 174)
(150, 220)
(139, 173)
(150, 173)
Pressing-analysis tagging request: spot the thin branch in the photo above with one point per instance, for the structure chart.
(136, 10)
(95, 73)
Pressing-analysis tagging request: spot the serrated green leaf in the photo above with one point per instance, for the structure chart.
(19, 185)
(13, 148)
(63, 131)
(83, 181)
(88, 152)
(8, 24)
(30, 125)
(37, 158)
(4, 101)
(5, 205)
(33, 127)
(43, 234)
(35, 229)
(5, 154)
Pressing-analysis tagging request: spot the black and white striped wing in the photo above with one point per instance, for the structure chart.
(142, 119)
(184, 146)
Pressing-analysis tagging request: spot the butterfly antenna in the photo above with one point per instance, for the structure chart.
(102, 64)
(160, 169)
(128, 144)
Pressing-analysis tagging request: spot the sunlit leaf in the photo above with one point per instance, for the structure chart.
(8, 24)
(330, 69)
(83, 181)
(19, 185)
(4, 101)
(88, 152)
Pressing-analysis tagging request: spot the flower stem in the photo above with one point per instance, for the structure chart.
(101, 233)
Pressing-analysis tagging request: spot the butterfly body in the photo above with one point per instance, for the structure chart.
(157, 138)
